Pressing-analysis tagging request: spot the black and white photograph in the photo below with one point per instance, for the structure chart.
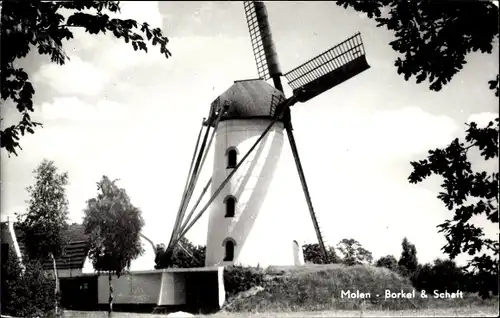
(249, 158)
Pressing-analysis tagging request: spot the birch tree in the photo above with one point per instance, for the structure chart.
(45, 221)
(114, 226)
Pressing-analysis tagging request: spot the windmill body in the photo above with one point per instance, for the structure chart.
(236, 230)
(248, 123)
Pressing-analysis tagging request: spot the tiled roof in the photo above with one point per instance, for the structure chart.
(75, 249)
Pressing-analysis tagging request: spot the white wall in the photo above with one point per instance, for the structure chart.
(173, 289)
(131, 288)
(250, 185)
(160, 287)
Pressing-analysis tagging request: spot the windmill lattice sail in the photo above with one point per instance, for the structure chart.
(263, 47)
(328, 69)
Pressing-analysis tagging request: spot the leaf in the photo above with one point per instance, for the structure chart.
(421, 77)
(142, 46)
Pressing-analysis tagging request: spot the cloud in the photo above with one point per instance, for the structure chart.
(74, 109)
(114, 56)
(195, 60)
(142, 11)
(407, 131)
(87, 74)
(482, 119)
(76, 77)
(384, 136)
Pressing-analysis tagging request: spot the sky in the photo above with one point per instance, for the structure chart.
(135, 117)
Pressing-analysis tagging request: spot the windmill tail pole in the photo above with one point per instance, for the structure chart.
(185, 250)
(202, 154)
(186, 186)
(280, 110)
(188, 217)
(302, 177)
(199, 164)
(187, 194)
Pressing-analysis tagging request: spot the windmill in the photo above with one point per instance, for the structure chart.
(251, 114)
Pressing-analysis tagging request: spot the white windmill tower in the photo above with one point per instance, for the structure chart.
(248, 122)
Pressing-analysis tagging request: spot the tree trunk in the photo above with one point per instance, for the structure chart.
(56, 289)
(110, 309)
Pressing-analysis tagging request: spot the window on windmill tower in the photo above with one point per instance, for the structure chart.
(232, 156)
(229, 253)
(230, 206)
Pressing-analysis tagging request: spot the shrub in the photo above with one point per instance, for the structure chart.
(25, 294)
(353, 253)
(443, 275)
(238, 279)
(484, 283)
(388, 262)
(179, 257)
(312, 254)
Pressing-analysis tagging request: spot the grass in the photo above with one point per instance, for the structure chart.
(319, 288)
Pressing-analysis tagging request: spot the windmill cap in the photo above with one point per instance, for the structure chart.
(248, 99)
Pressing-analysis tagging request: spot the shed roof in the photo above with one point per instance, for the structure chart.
(75, 249)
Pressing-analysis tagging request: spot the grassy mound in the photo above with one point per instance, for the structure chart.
(324, 287)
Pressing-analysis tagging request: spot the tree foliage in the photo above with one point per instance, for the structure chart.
(312, 254)
(114, 226)
(353, 253)
(408, 262)
(387, 261)
(44, 223)
(432, 37)
(443, 275)
(185, 255)
(41, 25)
(27, 293)
(468, 193)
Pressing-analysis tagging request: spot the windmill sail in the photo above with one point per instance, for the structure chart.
(263, 47)
(328, 69)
